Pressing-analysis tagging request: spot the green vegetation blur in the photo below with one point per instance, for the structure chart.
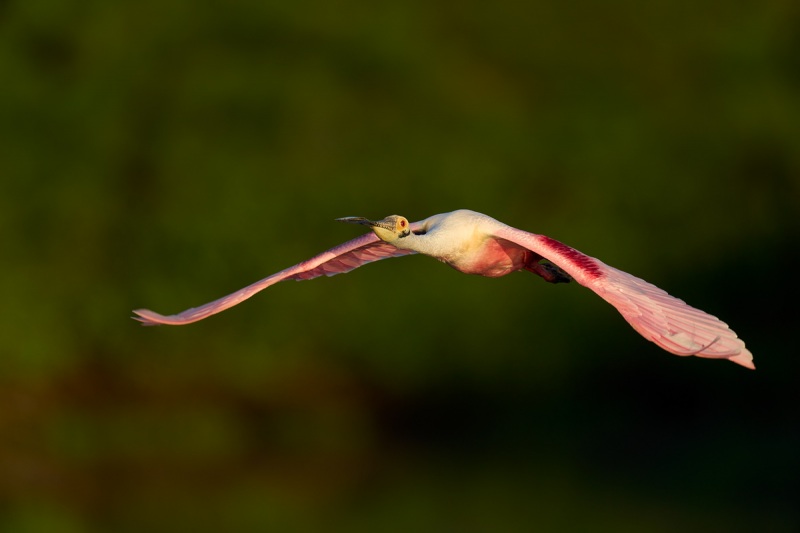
(163, 153)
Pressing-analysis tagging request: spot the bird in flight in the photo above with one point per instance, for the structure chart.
(474, 243)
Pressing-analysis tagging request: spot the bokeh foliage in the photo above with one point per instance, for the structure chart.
(163, 153)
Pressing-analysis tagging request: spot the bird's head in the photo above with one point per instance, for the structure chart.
(389, 229)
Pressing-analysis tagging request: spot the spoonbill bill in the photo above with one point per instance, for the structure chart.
(474, 243)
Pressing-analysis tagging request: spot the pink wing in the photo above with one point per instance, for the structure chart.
(667, 321)
(343, 258)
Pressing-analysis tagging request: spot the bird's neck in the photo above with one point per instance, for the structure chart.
(424, 243)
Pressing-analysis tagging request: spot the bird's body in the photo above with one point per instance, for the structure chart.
(474, 243)
(464, 240)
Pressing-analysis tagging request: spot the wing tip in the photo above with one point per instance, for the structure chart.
(148, 317)
(745, 359)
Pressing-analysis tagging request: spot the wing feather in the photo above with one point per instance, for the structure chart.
(343, 258)
(659, 317)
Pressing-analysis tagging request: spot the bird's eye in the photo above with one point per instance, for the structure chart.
(402, 223)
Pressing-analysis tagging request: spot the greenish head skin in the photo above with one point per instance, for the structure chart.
(389, 229)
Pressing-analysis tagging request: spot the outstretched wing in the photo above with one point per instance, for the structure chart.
(343, 258)
(667, 321)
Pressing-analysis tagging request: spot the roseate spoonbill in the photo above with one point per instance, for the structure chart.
(474, 243)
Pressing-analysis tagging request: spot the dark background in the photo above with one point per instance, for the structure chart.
(163, 153)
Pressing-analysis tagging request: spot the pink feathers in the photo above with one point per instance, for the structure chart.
(586, 264)
(659, 317)
(342, 258)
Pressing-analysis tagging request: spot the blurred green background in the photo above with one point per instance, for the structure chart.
(162, 153)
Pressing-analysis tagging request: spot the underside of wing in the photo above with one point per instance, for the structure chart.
(338, 260)
(669, 321)
(659, 317)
